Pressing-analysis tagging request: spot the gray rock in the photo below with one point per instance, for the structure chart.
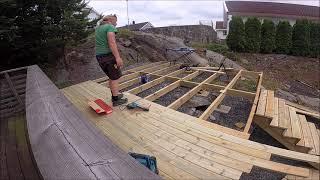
(286, 95)
(314, 102)
(196, 101)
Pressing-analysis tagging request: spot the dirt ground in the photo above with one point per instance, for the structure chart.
(281, 71)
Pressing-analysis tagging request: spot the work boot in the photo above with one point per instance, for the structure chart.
(119, 101)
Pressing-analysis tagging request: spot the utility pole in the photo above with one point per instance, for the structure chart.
(127, 13)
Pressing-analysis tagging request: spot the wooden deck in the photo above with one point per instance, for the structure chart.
(186, 147)
(16, 157)
(65, 144)
(287, 123)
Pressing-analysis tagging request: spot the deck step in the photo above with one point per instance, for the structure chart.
(307, 140)
(315, 139)
(262, 102)
(314, 175)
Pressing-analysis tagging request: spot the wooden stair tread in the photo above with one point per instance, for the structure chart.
(275, 120)
(270, 104)
(286, 122)
(314, 175)
(307, 138)
(315, 138)
(262, 102)
(295, 124)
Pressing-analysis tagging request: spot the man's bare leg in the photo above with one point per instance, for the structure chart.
(114, 86)
(116, 96)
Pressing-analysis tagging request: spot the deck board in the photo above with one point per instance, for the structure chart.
(188, 141)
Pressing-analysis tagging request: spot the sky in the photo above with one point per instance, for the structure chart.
(171, 12)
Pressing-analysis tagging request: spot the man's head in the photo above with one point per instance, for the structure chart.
(109, 19)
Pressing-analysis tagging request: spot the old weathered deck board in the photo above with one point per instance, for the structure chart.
(67, 145)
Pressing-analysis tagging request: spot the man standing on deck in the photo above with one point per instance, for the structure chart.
(108, 56)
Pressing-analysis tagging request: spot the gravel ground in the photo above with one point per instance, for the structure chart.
(172, 96)
(239, 112)
(224, 79)
(187, 109)
(182, 75)
(137, 84)
(259, 135)
(201, 77)
(149, 91)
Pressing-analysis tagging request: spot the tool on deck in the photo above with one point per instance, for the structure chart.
(99, 106)
(135, 105)
(148, 161)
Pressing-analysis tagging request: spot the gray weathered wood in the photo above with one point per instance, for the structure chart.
(67, 145)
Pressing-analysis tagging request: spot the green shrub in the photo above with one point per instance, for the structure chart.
(267, 37)
(283, 37)
(252, 35)
(219, 48)
(236, 36)
(301, 38)
(315, 40)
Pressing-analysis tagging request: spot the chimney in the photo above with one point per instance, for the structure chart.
(133, 22)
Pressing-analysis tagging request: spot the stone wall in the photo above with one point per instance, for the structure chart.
(195, 33)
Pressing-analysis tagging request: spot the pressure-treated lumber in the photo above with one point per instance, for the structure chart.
(180, 135)
(205, 115)
(254, 106)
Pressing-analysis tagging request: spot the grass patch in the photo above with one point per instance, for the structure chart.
(125, 33)
(219, 48)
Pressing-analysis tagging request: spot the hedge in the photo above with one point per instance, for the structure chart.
(315, 39)
(267, 37)
(252, 35)
(283, 37)
(301, 38)
(236, 36)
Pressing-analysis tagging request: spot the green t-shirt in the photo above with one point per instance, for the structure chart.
(102, 46)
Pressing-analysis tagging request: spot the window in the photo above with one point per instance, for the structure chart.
(224, 32)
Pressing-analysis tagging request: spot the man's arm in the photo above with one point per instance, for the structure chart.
(114, 49)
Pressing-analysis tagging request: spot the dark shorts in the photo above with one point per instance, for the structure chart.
(108, 64)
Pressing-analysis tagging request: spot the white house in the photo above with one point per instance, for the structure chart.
(138, 26)
(264, 10)
(93, 13)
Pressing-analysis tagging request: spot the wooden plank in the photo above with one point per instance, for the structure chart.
(10, 99)
(303, 109)
(206, 70)
(129, 83)
(135, 70)
(155, 68)
(262, 102)
(29, 169)
(167, 70)
(192, 75)
(295, 124)
(205, 115)
(15, 69)
(212, 87)
(13, 88)
(254, 106)
(270, 104)
(315, 138)
(287, 122)
(160, 152)
(13, 164)
(240, 93)
(153, 116)
(163, 91)
(14, 82)
(146, 86)
(179, 102)
(275, 119)
(3, 143)
(307, 137)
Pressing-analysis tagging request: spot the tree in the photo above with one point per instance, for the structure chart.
(315, 39)
(33, 30)
(267, 36)
(283, 37)
(252, 37)
(301, 38)
(236, 36)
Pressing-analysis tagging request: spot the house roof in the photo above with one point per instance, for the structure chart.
(219, 25)
(135, 27)
(280, 9)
